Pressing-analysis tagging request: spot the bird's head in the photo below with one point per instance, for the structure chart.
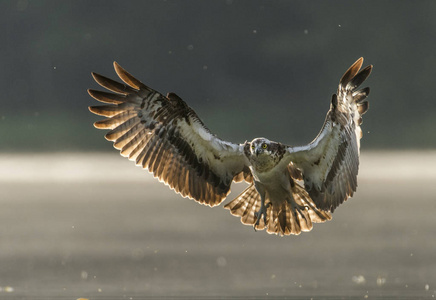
(260, 146)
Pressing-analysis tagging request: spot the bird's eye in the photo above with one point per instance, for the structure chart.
(264, 146)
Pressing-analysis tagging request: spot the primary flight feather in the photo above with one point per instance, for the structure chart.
(164, 135)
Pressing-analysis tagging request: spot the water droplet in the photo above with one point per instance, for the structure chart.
(84, 275)
(8, 289)
(381, 281)
(306, 31)
(360, 279)
(221, 261)
(190, 47)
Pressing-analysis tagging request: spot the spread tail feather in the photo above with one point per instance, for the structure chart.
(284, 218)
(245, 205)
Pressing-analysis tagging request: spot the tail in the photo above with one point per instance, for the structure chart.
(284, 218)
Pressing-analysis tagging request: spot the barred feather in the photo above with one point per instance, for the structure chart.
(282, 218)
(331, 162)
(165, 136)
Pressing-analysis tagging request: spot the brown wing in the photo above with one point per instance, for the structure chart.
(330, 163)
(165, 136)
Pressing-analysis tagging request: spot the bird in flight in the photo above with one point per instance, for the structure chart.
(290, 188)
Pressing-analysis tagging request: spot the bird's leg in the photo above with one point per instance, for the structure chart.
(262, 210)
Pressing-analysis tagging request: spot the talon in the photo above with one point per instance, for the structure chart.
(264, 211)
(259, 213)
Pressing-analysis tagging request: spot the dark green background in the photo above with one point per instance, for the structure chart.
(249, 68)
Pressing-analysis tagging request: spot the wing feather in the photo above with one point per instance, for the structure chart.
(112, 85)
(106, 97)
(330, 163)
(165, 136)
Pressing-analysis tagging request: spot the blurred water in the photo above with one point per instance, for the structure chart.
(94, 226)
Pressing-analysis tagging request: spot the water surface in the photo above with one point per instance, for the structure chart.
(94, 226)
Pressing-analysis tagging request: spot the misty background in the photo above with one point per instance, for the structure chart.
(248, 68)
(76, 222)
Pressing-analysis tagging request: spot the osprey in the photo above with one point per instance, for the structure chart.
(289, 187)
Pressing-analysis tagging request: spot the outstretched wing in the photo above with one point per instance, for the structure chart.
(330, 163)
(165, 136)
